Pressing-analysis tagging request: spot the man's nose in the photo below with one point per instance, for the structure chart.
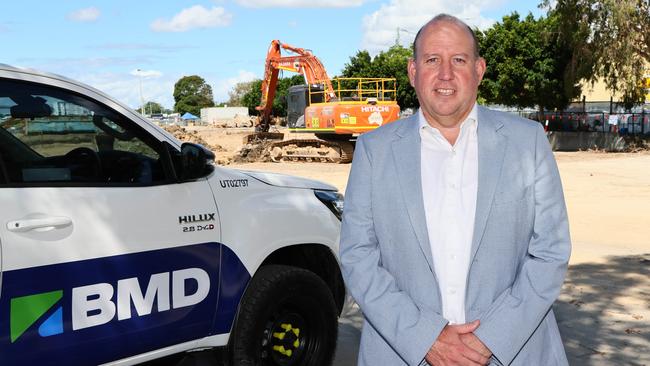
(444, 72)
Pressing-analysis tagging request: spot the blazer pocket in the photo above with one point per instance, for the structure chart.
(512, 196)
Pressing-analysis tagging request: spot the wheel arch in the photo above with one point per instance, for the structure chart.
(317, 258)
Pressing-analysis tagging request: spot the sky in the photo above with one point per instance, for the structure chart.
(117, 45)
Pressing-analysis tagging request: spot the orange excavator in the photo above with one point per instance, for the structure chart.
(335, 110)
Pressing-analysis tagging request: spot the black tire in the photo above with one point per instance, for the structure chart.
(286, 307)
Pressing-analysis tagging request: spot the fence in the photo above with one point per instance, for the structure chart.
(621, 123)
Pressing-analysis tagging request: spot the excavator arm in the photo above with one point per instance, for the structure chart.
(334, 116)
(304, 62)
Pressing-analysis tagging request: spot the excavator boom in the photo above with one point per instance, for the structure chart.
(304, 62)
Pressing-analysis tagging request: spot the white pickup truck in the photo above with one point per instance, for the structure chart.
(120, 245)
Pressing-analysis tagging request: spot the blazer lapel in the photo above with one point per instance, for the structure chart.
(491, 150)
(406, 155)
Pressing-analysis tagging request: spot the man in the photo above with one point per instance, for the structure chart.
(455, 236)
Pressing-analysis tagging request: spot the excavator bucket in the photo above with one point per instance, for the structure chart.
(261, 136)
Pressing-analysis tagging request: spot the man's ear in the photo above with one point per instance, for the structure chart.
(480, 67)
(411, 71)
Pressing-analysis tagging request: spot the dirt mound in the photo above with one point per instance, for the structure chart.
(255, 151)
(191, 136)
(237, 121)
(637, 144)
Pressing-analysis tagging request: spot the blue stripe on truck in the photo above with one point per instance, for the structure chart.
(119, 306)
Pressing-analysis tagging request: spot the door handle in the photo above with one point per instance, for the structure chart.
(38, 224)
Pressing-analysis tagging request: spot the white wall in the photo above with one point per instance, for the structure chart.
(214, 114)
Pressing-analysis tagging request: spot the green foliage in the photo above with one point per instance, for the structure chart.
(151, 108)
(526, 64)
(610, 39)
(236, 94)
(360, 64)
(253, 96)
(282, 90)
(387, 64)
(191, 93)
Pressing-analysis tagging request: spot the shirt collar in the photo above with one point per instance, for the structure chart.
(471, 120)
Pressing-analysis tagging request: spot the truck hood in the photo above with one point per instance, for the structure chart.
(289, 181)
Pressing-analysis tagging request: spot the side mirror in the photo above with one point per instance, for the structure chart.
(196, 162)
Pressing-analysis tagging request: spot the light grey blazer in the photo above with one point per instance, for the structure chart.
(519, 255)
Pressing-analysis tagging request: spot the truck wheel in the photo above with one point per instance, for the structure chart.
(287, 317)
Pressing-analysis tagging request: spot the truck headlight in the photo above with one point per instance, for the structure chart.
(333, 201)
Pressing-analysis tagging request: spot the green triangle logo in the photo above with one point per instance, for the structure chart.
(26, 310)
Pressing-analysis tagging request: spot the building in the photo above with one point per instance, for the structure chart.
(214, 115)
(598, 98)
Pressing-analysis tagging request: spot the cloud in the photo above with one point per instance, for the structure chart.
(125, 87)
(221, 88)
(146, 73)
(156, 86)
(300, 3)
(193, 17)
(84, 15)
(380, 28)
(121, 85)
(68, 65)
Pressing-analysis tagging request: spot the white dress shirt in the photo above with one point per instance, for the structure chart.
(449, 186)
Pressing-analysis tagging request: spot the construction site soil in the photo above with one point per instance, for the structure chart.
(604, 307)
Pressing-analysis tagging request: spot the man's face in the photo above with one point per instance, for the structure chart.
(446, 74)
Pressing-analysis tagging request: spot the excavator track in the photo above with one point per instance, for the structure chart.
(339, 152)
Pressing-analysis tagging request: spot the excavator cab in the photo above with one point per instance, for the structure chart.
(298, 99)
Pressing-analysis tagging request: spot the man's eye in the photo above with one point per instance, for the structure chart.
(459, 60)
(431, 60)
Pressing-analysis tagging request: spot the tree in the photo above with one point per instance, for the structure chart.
(526, 64)
(387, 64)
(151, 108)
(191, 93)
(236, 94)
(282, 92)
(253, 97)
(360, 64)
(610, 39)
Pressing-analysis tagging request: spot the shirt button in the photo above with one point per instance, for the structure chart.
(452, 291)
(453, 257)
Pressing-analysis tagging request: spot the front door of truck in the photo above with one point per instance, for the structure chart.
(103, 255)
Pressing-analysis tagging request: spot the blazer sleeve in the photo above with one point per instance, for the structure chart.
(517, 312)
(391, 311)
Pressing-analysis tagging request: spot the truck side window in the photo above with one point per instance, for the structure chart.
(55, 136)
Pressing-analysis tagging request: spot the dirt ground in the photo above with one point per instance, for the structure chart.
(604, 308)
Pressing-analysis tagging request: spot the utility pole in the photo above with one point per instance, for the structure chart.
(405, 31)
(141, 97)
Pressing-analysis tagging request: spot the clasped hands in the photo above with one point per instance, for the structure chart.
(457, 345)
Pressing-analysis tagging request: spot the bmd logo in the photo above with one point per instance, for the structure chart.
(93, 305)
(26, 310)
